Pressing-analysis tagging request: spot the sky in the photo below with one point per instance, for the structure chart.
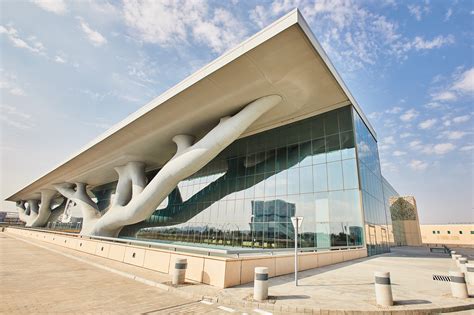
(69, 70)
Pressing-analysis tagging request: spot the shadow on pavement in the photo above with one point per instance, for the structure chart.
(337, 285)
(291, 297)
(411, 302)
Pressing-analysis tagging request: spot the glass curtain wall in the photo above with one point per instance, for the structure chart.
(377, 218)
(389, 192)
(246, 196)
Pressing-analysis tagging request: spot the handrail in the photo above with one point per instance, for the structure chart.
(199, 249)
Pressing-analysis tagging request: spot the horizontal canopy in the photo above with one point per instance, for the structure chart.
(284, 59)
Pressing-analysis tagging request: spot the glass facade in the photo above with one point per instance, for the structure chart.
(324, 168)
(246, 196)
(389, 192)
(377, 215)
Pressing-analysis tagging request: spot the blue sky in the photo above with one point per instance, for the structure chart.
(71, 69)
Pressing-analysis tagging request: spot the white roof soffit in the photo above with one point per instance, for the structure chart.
(284, 58)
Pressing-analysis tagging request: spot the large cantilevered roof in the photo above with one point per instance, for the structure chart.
(284, 58)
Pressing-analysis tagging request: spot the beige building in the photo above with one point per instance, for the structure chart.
(405, 221)
(448, 234)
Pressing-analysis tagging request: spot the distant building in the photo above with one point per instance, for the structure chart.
(448, 234)
(10, 218)
(405, 221)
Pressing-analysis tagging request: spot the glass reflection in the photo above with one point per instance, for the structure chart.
(246, 196)
(377, 231)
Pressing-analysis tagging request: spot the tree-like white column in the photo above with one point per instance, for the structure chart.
(135, 200)
(37, 212)
(90, 211)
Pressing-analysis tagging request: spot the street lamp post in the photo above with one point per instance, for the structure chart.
(296, 221)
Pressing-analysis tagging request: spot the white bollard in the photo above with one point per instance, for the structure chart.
(383, 289)
(462, 264)
(260, 285)
(458, 285)
(453, 252)
(470, 273)
(456, 259)
(179, 272)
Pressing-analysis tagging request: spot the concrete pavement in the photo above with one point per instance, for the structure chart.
(81, 283)
(39, 281)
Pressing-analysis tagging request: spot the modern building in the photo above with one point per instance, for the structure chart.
(453, 235)
(226, 157)
(10, 218)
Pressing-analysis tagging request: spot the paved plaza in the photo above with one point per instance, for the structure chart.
(38, 278)
(350, 285)
(38, 281)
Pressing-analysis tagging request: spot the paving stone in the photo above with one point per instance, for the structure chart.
(37, 281)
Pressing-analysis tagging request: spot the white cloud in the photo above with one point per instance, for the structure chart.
(386, 143)
(144, 70)
(463, 85)
(467, 148)
(448, 14)
(427, 124)
(103, 7)
(54, 6)
(352, 35)
(94, 37)
(405, 135)
(389, 140)
(221, 32)
(453, 135)
(31, 44)
(409, 115)
(9, 83)
(374, 115)
(171, 22)
(415, 144)
(439, 149)
(439, 41)
(388, 167)
(433, 105)
(399, 153)
(11, 116)
(394, 110)
(443, 148)
(418, 165)
(418, 11)
(461, 119)
(465, 82)
(59, 59)
(260, 16)
(444, 96)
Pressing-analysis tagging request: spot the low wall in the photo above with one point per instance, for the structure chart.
(222, 272)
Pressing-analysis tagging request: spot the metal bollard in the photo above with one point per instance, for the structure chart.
(383, 289)
(179, 272)
(462, 264)
(458, 284)
(260, 285)
(470, 273)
